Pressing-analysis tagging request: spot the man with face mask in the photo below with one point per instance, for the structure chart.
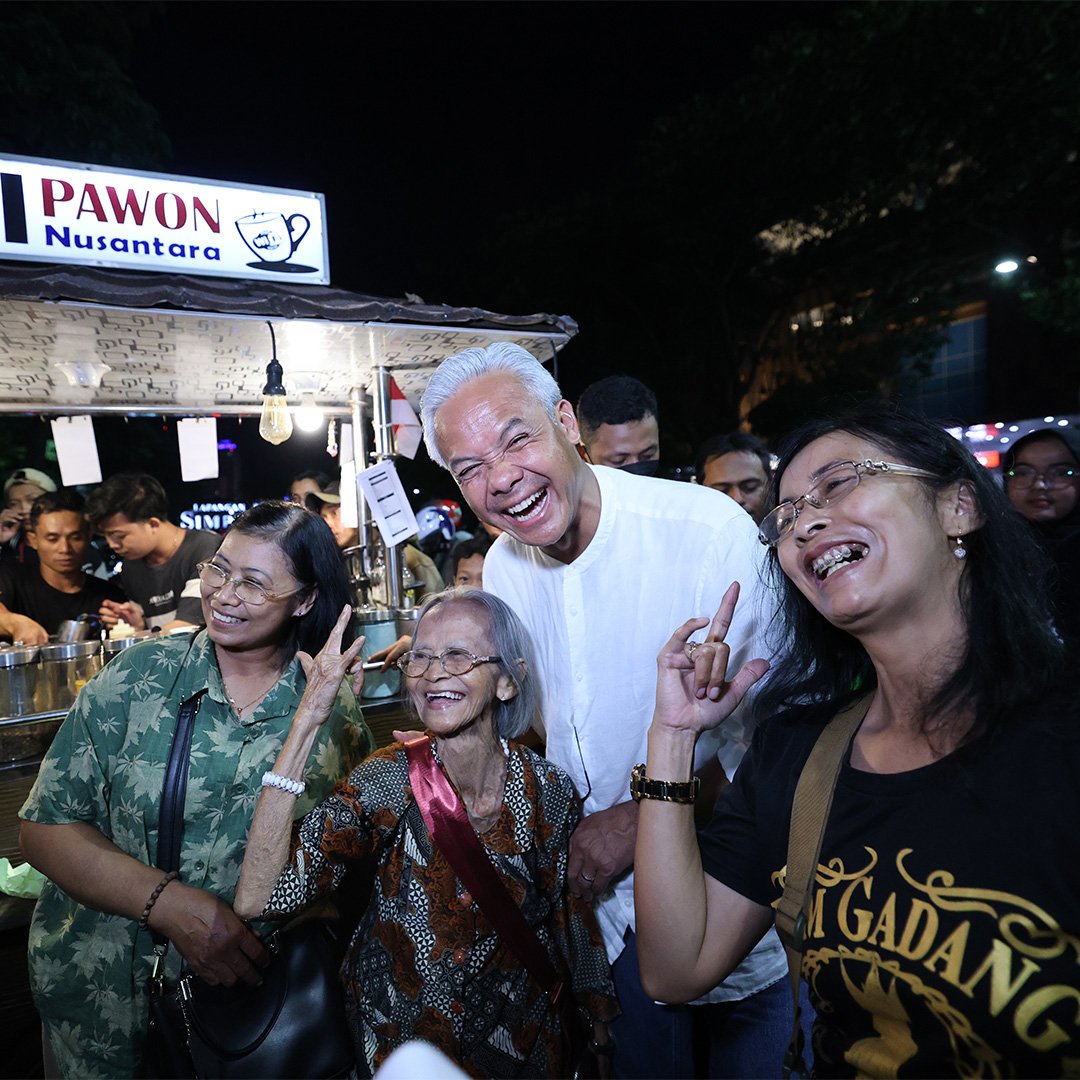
(617, 419)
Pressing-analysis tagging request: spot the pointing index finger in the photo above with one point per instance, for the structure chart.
(724, 614)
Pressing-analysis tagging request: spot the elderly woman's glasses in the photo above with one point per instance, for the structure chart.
(453, 661)
(247, 591)
(1056, 476)
(834, 484)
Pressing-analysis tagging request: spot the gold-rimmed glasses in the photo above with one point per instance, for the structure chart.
(835, 483)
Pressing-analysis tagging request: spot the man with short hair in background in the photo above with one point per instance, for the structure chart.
(738, 465)
(617, 418)
(35, 600)
(159, 570)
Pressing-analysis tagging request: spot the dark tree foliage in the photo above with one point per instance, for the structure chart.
(63, 90)
(893, 155)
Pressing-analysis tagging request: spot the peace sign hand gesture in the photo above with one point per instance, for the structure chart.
(692, 690)
(326, 670)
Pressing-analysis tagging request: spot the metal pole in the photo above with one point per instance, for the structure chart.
(384, 449)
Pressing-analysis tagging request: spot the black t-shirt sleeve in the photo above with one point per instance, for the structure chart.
(745, 842)
(198, 547)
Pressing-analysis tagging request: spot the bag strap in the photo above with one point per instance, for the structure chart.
(809, 815)
(451, 831)
(173, 794)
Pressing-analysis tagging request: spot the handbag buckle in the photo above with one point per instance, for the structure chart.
(156, 985)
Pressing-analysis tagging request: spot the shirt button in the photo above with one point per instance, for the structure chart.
(457, 1008)
(573, 611)
(199, 865)
(460, 954)
(466, 899)
(580, 677)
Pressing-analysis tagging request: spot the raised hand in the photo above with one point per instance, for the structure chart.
(693, 692)
(325, 671)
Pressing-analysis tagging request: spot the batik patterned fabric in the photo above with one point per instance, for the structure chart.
(425, 963)
(106, 767)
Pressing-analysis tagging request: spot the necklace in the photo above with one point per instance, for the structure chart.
(241, 709)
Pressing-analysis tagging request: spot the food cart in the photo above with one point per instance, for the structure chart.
(89, 341)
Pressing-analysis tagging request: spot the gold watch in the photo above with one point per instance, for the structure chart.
(641, 787)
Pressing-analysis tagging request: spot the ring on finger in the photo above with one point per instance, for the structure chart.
(690, 647)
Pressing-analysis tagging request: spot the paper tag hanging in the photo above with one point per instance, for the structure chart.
(76, 450)
(198, 440)
(388, 503)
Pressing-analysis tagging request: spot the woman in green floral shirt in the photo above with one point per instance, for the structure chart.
(275, 587)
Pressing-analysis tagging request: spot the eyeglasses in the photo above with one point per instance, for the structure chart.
(831, 486)
(247, 591)
(1056, 476)
(453, 661)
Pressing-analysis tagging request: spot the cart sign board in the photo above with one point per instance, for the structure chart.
(63, 212)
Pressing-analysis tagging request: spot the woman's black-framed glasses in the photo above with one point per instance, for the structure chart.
(453, 661)
(834, 484)
(247, 591)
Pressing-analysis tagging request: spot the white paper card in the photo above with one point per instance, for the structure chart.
(388, 503)
(76, 450)
(345, 447)
(350, 514)
(198, 448)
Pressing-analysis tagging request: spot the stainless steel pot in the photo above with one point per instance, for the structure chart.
(111, 646)
(66, 668)
(19, 672)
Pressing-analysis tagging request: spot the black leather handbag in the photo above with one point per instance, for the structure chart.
(292, 1025)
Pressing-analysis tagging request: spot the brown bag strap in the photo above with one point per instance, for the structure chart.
(809, 814)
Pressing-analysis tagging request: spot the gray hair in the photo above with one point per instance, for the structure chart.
(461, 368)
(511, 643)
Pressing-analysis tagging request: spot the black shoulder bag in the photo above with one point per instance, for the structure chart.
(292, 1025)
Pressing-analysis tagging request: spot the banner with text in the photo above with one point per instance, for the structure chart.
(56, 211)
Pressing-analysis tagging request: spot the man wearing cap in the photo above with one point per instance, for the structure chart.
(160, 559)
(35, 600)
(574, 536)
(21, 488)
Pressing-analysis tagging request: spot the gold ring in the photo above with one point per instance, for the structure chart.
(690, 647)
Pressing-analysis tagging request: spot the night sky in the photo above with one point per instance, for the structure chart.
(425, 123)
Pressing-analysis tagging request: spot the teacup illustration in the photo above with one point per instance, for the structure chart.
(272, 237)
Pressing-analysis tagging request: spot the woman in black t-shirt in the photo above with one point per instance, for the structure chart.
(944, 936)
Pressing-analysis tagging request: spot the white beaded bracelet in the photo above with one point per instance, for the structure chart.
(293, 787)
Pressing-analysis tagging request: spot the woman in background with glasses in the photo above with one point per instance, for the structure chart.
(944, 929)
(1042, 480)
(425, 963)
(273, 589)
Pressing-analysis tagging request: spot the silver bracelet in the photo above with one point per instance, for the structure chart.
(293, 787)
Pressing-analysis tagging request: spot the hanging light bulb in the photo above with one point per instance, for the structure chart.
(275, 424)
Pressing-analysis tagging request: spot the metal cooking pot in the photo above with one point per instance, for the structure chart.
(111, 646)
(18, 680)
(66, 668)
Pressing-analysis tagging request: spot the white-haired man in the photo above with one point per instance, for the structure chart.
(601, 566)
